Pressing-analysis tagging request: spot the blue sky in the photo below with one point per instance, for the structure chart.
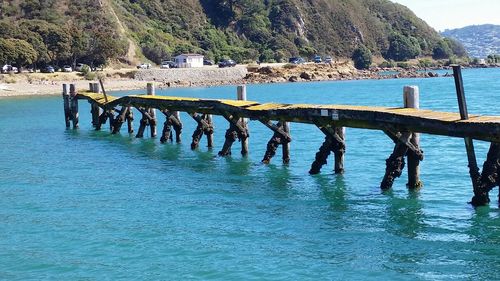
(443, 14)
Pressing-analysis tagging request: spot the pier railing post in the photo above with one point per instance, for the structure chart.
(67, 113)
(152, 112)
(411, 97)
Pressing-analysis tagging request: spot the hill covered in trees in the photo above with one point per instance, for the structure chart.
(479, 40)
(96, 31)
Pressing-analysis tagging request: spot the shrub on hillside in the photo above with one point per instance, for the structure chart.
(362, 57)
(402, 48)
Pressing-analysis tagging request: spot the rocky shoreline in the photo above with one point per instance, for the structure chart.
(212, 76)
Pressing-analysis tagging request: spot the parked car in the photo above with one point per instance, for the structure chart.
(317, 59)
(328, 59)
(67, 68)
(168, 64)
(9, 68)
(227, 63)
(79, 67)
(144, 66)
(208, 62)
(296, 60)
(48, 69)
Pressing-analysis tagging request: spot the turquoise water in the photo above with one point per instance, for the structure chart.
(86, 205)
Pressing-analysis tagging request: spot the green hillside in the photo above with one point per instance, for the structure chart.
(97, 31)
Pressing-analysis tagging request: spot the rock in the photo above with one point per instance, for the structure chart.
(293, 79)
(265, 70)
(306, 76)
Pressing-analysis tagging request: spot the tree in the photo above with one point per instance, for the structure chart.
(362, 57)
(456, 47)
(25, 54)
(441, 51)
(8, 52)
(402, 48)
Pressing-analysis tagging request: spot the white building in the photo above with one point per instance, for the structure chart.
(189, 60)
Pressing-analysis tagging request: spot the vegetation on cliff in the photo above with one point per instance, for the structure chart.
(96, 31)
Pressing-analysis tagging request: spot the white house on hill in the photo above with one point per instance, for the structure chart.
(189, 60)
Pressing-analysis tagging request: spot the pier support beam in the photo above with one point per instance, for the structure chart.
(152, 112)
(130, 120)
(334, 142)
(281, 137)
(407, 144)
(489, 177)
(205, 126)
(120, 119)
(238, 128)
(145, 121)
(237, 131)
(67, 111)
(74, 105)
(411, 97)
(172, 120)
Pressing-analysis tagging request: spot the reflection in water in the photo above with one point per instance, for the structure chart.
(485, 231)
(334, 191)
(239, 166)
(278, 176)
(406, 215)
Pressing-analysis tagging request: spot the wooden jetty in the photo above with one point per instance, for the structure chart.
(402, 125)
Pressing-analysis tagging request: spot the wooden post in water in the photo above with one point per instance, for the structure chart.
(95, 109)
(286, 145)
(339, 152)
(152, 112)
(67, 113)
(210, 132)
(178, 127)
(74, 105)
(242, 95)
(411, 98)
(480, 197)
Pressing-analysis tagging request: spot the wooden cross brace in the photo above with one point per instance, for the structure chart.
(334, 142)
(280, 137)
(407, 144)
(237, 131)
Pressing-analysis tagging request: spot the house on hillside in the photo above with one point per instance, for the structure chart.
(189, 60)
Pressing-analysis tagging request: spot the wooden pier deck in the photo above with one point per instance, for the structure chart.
(486, 128)
(403, 125)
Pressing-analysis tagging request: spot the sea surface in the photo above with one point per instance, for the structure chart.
(87, 205)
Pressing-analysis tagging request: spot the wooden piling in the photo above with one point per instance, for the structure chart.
(74, 105)
(286, 145)
(177, 127)
(67, 112)
(96, 87)
(339, 152)
(210, 132)
(152, 112)
(411, 98)
(242, 95)
(95, 109)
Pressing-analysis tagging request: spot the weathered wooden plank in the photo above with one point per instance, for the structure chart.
(485, 128)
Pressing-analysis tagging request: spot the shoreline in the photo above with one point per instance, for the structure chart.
(256, 75)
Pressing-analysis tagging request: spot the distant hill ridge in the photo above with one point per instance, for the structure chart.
(479, 40)
(266, 30)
